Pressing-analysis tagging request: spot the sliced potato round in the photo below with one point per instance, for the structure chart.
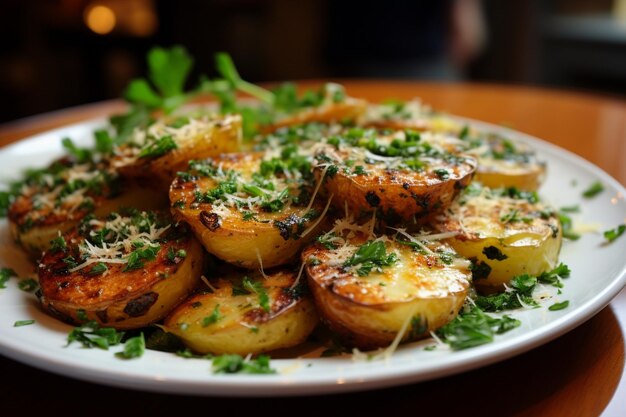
(246, 315)
(58, 199)
(418, 181)
(334, 107)
(367, 289)
(243, 217)
(503, 162)
(504, 232)
(156, 154)
(126, 272)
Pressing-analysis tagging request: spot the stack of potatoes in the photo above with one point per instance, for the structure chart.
(375, 220)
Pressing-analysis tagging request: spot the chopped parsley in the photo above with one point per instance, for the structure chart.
(567, 226)
(554, 276)
(158, 147)
(593, 190)
(91, 335)
(236, 364)
(559, 306)
(133, 348)
(138, 256)
(5, 275)
(474, 328)
(519, 295)
(371, 255)
(256, 287)
(28, 285)
(612, 234)
(213, 318)
(21, 323)
(58, 244)
(513, 216)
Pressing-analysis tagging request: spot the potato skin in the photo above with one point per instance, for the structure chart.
(271, 237)
(368, 312)
(123, 300)
(241, 325)
(509, 248)
(212, 138)
(397, 195)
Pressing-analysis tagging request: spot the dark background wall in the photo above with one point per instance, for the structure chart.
(52, 56)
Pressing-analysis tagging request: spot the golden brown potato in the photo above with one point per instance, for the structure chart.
(65, 193)
(504, 232)
(367, 288)
(155, 155)
(126, 271)
(413, 115)
(247, 210)
(335, 107)
(403, 180)
(246, 315)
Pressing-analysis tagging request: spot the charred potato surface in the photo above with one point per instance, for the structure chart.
(401, 177)
(246, 315)
(57, 198)
(126, 271)
(249, 209)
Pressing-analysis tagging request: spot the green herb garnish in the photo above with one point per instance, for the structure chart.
(236, 364)
(91, 335)
(559, 306)
(133, 348)
(5, 275)
(213, 318)
(593, 190)
(21, 323)
(371, 255)
(612, 234)
(257, 288)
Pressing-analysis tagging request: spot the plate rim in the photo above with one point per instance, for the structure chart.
(283, 385)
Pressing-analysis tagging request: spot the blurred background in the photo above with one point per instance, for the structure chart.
(60, 53)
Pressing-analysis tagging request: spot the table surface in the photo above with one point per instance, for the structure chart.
(581, 373)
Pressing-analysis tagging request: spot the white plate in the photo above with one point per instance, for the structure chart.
(598, 274)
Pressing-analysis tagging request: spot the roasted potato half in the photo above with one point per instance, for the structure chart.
(125, 271)
(329, 105)
(57, 198)
(246, 315)
(249, 210)
(155, 155)
(413, 114)
(402, 178)
(503, 162)
(368, 289)
(504, 232)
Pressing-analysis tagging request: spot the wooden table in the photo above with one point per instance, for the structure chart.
(579, 374)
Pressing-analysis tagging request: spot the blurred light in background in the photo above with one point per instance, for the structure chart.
(101, 44)
(127, 17)
(100, 19)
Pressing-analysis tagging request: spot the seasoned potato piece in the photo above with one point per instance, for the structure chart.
(366, 289)
(246, 315)
(156, 154)
(501, 161)
(504, 232)
(249, 209)
(504, 163)
(413, 114)
(55, 199)
(126, 271)
(402, 177)
(329, 105)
